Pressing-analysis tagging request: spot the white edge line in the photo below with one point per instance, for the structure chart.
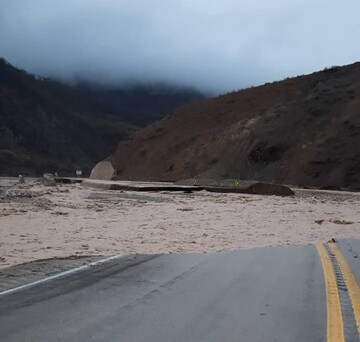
(59, 275)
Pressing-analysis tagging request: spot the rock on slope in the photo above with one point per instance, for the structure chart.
(300, 131)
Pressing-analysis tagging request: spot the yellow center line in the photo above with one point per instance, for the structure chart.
(335, 324)
(351, 283)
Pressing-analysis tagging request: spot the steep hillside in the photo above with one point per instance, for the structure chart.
(304, 131)
(46, 126)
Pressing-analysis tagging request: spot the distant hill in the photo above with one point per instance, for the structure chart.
(47, 126)
(139, 105)
(300, 131)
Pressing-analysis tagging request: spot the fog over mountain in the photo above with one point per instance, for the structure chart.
(209, 44)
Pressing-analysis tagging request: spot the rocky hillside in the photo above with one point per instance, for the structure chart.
(301, 131)
(46, 126)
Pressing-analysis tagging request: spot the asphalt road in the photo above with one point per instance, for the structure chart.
(351, 252)
(265, 294)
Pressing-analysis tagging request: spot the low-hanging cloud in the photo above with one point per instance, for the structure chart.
(209, 44)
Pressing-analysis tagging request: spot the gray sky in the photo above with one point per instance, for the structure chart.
(216, 45)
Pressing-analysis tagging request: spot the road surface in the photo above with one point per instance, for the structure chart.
(265, 294)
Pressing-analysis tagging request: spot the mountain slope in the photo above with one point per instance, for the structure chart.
(303, 131)
(46, 126)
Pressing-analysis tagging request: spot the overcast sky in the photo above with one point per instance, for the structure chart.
(216, 45)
